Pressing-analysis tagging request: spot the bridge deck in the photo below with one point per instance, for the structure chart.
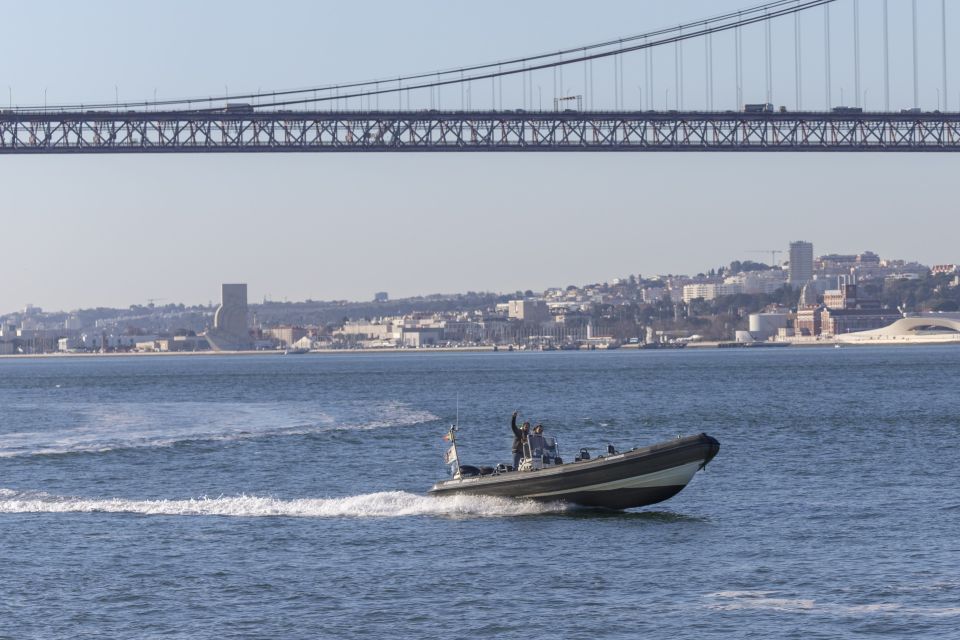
(490, 131)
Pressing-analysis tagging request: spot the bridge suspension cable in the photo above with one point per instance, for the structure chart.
(489, 71)
(679, 34)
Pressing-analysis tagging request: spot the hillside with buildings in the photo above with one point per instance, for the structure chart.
(806, 299)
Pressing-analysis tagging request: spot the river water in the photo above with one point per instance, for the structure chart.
(236, 497)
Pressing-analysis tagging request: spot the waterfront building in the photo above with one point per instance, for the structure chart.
(921, 328)
(417, 337)
(103, 341)
(809, 321)
(368, 330)
(532, 311)
(285, 335)
(69, 344)
(835, 322)
(801, 263)
(845, 311)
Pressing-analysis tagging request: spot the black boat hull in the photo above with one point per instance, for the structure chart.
(635, 478)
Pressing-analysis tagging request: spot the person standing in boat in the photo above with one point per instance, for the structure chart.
(519, 438)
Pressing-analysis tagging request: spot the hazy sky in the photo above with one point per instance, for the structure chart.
(112, 230)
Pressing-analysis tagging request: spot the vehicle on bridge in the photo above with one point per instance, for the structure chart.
(238, 107)
(847, 110)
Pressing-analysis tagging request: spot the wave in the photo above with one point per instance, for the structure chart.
(100, 428)
(774, 601)
(387, 504)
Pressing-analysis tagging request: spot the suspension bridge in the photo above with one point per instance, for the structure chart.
(709, 85)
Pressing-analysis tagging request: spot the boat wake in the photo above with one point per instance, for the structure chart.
(101, 428)
(387, 504)
(777, 601)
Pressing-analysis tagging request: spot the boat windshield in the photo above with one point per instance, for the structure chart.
(541, 450)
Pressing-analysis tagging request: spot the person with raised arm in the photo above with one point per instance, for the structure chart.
(519, 438)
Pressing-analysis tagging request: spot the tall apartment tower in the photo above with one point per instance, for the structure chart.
(801, 263)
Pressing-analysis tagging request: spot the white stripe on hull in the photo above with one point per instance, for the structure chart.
(675, 476)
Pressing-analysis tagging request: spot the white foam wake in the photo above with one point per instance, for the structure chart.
(387, 504)
(776, 601)
(98, 428)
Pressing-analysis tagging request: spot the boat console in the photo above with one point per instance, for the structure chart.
(540, 452)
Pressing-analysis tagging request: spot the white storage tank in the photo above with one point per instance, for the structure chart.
(763, 326)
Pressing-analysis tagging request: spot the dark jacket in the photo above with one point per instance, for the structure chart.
(518, 436)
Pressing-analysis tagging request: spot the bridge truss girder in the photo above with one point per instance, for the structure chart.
(199, 132)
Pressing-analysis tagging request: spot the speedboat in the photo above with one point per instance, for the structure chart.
(617, 480)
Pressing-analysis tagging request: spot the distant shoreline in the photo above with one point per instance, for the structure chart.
(251, 352)
(693, 345)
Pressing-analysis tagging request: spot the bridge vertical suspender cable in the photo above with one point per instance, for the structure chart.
(826, 57)
(623, 101)
(680, 97)
(618, 79)
(676, 74)
(616, 85)
(586, 93)
(706, 73)
(739, 57)
(856, 53)
(555, 94)
(708, 70)
(643, 89)
(768, 42)
(501, 86)
(886, 55)
(943, 26)
(652, 98)
(916, 62)
(592, 103)
(559, 81)
(530, 86)
(797, 66)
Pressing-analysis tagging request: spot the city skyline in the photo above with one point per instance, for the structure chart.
(706, 273)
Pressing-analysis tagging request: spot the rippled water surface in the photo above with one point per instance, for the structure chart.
(231, 497)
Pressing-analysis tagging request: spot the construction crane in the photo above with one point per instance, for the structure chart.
(773, 254)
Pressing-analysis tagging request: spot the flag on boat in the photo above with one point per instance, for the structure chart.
(446, 437)
(451, 455)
